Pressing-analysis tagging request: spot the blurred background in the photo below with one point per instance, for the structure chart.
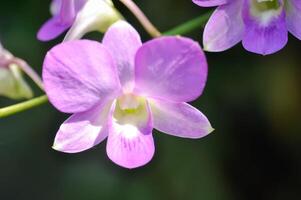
(253, 102)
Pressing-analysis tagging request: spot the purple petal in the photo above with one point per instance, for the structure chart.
(172, 68)
(179, 119)
(210, 3)
(264, 36)
(79, 4)
(293, 17)
(64, 13)
(78, 75)
(52, 29)
(225, 27)
(67, 12)
(130, 142)
(84, 130)
(123, 41)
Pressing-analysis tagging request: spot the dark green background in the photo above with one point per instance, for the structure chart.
(252, 101)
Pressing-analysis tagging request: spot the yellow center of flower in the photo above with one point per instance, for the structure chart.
(129, 103)
(265, 5)
(130, 114)
(265, 10)
(129, 108)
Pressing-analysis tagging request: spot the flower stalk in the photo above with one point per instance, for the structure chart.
(29, 71)
(11, 110)
(148, 26)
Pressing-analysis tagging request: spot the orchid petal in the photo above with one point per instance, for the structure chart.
(84, 130)
(79, 74)
(171, 68)
(130, 142)
(79, 4)
(293, 17)
(179, 119)
(225, 27)
(52, 29)
(123, 41)
(67, 12)
(96, 15)
(264, 34)
(210, 3)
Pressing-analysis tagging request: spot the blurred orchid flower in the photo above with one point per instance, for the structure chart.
(81, 15)
(12, 84)
(96, 15)
(64, 13)
(122, 89)
(261, 25)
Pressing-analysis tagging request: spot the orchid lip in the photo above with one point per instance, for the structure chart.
(128, 105)
(129, 110)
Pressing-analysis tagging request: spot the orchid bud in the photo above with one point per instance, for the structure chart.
(12, 84)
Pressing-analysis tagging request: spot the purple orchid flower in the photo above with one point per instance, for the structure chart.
(122, 89)
(64, 13)
(261, 25)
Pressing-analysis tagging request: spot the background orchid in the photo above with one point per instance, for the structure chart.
(155, 80)
(96, 15)
(261, 25)
(81, 15)
(64, 13)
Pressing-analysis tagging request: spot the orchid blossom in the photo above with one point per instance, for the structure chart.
(81, 15)
(121, 89)
(261, 25)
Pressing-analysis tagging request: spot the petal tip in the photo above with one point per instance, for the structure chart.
(61, 148)
(210, 130)
(205, 48)
(56, 147)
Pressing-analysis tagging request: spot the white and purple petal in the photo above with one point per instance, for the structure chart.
(78, 75)
(170, 68)
(265, 31)
(123, 41)
(225, 27)
(96, 15)
(130, 142)
(293, 17)
(84, 130)
(179, 119)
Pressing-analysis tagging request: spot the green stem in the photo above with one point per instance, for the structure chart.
(10, 110)
(189, 25)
